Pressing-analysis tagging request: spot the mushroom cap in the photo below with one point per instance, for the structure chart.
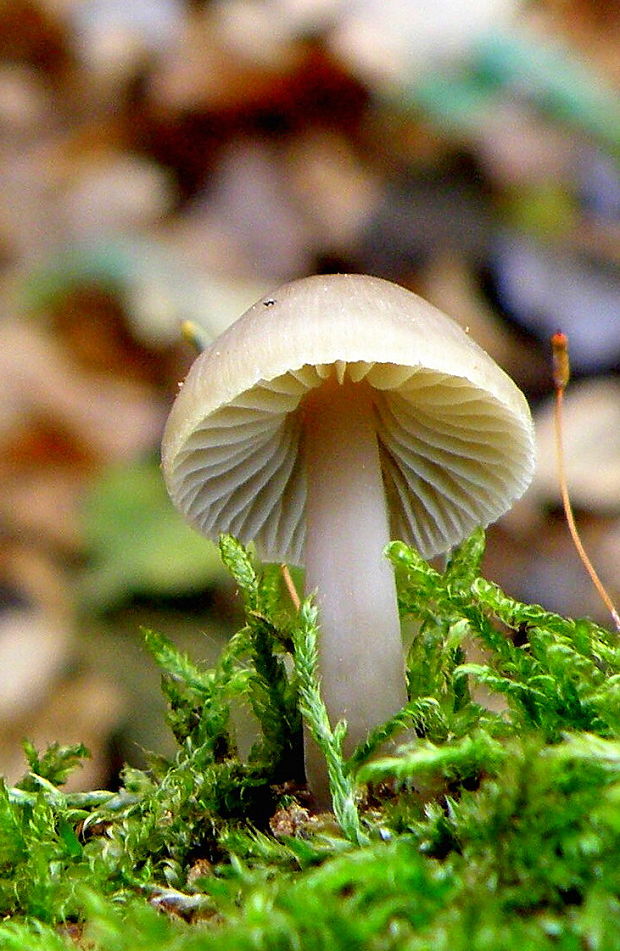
(455, 433)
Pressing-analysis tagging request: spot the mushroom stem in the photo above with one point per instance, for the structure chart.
(361, 660)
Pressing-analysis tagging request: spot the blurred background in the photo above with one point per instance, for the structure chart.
(163, 160)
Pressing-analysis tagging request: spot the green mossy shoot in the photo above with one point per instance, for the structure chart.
(496, 827)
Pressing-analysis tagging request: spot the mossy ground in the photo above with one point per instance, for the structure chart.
(497, 828)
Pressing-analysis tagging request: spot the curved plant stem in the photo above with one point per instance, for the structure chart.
(561, 374)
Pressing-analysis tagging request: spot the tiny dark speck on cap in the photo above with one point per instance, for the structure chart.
(269, 302)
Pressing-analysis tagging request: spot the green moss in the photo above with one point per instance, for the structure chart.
(497, 827)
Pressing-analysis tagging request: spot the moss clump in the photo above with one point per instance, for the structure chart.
(497, 828)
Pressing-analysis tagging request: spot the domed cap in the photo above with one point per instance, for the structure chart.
(454, 432)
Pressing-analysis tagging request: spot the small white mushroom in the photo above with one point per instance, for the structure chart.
(337, 413)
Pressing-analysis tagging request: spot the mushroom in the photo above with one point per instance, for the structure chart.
(335, 414)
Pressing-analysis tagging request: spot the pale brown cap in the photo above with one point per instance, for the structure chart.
(455, 433)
